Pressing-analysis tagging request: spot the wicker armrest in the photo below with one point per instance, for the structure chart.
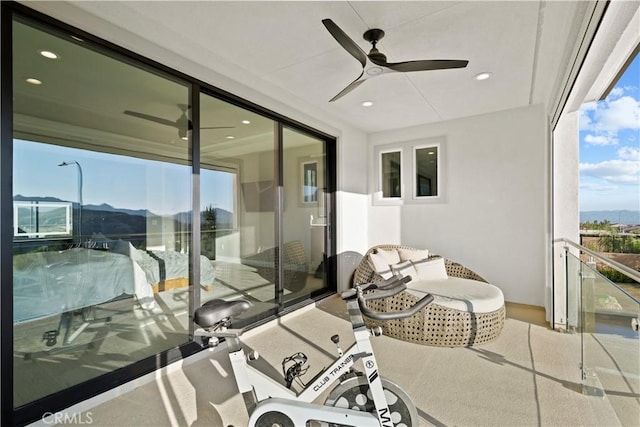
(458, 270)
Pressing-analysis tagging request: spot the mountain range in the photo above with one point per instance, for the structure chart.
(106, 216)
(626, 217)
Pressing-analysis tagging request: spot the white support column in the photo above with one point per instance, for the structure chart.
(566, 207)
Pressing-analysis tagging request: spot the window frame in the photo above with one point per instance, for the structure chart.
(408, 172)
(234, 169)
(414, 175)
(379, 192)
(36, 205)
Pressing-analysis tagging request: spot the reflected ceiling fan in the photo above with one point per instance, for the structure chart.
(183, 124)
(375, 62)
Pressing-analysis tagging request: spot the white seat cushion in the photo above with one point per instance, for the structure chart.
(460, 294)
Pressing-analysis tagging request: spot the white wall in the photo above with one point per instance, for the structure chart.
(495, 216)
(352, 203)
(352, 198)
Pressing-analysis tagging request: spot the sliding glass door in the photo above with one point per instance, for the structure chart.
(263, 209)
(137, 193)
(101, 213)
(304, 216)
(238, 204)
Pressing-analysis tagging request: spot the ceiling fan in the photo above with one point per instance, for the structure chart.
(375, 62)
(183, 124)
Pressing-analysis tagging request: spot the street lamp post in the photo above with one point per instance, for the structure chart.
(73, 162)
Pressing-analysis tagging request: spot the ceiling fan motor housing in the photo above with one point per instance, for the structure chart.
(373, 36)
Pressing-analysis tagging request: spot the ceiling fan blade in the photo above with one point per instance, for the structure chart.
(217, 127)
(426, 65)
(354, 84)
(346, 42)
(152, 118)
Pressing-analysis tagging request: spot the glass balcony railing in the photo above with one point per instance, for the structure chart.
(605, 314)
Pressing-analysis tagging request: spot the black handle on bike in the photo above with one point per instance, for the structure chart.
(394, 284)
(394, 281)
(376, 315)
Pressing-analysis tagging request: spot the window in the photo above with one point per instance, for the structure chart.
(41, 219)
(309, 182)
(391, 174)
(409, 172)
(426, 171)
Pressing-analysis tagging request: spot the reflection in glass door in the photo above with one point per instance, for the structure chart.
(304, 216)
(102, 214)
(237, 204)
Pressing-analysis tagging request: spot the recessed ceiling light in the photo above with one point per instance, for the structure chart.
(230, 137)
(49, 54)
(482, 76)
(246, 122)
(33, 81)
(367, 103)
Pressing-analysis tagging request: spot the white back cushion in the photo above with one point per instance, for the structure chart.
(390, 255)
(412, 254)
(405, 269)
(380, 265)
(430, 268)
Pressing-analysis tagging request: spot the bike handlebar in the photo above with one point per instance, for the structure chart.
(376, 315)
(388, 288)
(393, 283)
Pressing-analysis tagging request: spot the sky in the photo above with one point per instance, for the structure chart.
(610, 147)
(120, 181)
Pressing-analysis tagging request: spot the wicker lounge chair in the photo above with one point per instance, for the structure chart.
(436, 325)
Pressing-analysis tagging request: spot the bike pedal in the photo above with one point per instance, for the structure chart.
(210, 342)
(376, 331)
(50, 338)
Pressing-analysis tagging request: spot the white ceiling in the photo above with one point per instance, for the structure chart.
(525, 44)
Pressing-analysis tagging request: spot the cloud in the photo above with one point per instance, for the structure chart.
(629, 153)
(621, 113)
(601, 139)
(616, 92)
(584, 120)
(597, 187)
(611, 115)
(619, 171)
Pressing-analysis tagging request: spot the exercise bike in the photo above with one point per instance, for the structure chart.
(360, 398)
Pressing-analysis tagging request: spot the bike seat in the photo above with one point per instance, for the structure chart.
(215, 310)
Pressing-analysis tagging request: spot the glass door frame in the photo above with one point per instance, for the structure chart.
(80, 392)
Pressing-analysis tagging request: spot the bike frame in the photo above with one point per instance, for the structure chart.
(269, 402)
(257, 387)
